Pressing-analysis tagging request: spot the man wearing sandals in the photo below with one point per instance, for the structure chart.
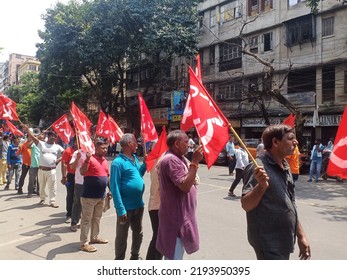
(50, 157)
(96, 172)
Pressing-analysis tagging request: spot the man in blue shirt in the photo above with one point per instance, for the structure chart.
(14, 163)
(127, 187)
(230, 149)
(316, 160)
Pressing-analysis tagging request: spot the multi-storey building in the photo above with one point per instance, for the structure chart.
(29, 65)
(14, 63)
(3, 75)
(305, 53)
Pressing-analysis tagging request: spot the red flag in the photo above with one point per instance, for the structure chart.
(290, 120)
(14, 130)
(7, 108)
(103, 126)
(198, 68)
(82, 123)
(63, 129)
(159, 148)
(147, 127)
(210, 123)
(337, 165)
(115, 132)
(187, 120)
(85, 141)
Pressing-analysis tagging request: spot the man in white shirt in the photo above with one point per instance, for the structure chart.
(49, 159)
(191, 146)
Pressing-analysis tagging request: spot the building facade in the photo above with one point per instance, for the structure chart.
(17, 65)
(251, 47)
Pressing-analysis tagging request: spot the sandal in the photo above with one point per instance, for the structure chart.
(88, 248)
(42, 202)
(231, 194)
(98, 241)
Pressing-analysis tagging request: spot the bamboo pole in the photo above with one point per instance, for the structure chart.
(243, 145)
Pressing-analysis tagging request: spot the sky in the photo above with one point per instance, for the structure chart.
(20, 21)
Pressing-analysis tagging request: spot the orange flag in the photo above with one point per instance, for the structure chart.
(290, 120)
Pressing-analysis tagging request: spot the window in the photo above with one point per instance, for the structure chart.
(345, 82)
(212, 55)
(258, 6)
(302, 81)
(231, 90)
(328, 26)
(253, 44)
(328, 83)
(229, 11)
(230, 55)
(213, 18)
(267, 40)
(300, 30)
(32, 67)
(295, 2)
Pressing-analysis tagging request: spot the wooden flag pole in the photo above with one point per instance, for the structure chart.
(243, 145)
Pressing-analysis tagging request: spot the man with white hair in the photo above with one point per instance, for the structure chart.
(127, 187)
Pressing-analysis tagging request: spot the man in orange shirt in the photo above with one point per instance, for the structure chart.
(293, 161)
(25, 150)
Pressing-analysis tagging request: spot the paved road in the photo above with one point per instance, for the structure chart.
(29, 231)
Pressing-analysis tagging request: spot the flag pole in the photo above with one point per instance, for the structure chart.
(243, 145)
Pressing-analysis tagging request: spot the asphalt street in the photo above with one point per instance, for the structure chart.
(29, 231)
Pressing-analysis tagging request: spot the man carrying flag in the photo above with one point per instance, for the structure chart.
(50, 157)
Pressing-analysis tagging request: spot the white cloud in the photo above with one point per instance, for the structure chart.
(20, 21)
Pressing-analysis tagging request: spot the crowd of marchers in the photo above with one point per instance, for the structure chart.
(268, 194)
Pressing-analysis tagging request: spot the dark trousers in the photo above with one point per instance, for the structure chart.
(152, 252)
(76, 207)
(237, 180)
(271, 255)
(70, 186)
(33, 185)
(25, 170)
(231, 164)
(134, 221)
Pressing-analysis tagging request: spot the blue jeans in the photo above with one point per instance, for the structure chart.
(316, 164)
(16, 170)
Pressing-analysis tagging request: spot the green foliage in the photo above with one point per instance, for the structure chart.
(28, 98)
(313, 4)
(95, 42)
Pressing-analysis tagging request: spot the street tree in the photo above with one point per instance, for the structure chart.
(28, 97)
(97, 42)
(313, 4)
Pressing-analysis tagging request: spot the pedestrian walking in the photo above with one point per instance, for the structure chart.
(316, 160)
(230, 150)
(241, 158)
